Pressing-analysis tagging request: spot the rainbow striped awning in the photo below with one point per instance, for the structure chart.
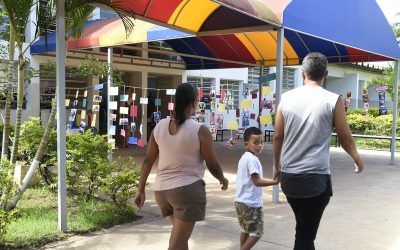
(339, 34)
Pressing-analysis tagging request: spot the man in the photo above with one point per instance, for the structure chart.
(304, 122)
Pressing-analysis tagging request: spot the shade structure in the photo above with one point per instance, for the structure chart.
(202, 17)
(341, 35)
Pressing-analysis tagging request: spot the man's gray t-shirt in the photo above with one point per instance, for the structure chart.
(308, 124)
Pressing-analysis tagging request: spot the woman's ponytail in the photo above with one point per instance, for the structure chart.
(185, 95)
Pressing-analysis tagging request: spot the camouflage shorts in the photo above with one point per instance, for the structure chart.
(251, 219)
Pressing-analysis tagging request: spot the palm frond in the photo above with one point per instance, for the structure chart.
(18, 12)
(117, 6)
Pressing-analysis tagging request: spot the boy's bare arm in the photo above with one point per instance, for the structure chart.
(260, 182)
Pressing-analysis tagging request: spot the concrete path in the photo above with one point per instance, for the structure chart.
(363, 214)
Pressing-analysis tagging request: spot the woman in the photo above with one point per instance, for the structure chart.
(182, 145)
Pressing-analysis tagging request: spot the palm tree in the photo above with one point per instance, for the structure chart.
(18, 12)
(6, 124)
(387, 79)
(77, 12)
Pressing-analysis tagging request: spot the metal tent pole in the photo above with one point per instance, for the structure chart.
(278, 91)
(259, 94)
(61, 119)
(109, 84)
(395, 102)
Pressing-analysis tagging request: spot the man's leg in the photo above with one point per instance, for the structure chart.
(308, 214)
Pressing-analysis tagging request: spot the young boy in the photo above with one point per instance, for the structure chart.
(248, 196)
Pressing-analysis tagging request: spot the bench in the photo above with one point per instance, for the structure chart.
(268, 132)
(383, 137)
(220, 133)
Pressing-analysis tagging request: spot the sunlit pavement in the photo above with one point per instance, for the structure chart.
(364, 212)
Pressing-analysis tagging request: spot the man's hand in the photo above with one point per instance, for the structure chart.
(224, 183)
(359, 164)
(139, 199)
(277, 174)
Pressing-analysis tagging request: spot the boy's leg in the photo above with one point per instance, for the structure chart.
(250, 242)
(243, 238)
(180, 234)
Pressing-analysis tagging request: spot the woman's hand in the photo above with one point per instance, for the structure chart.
(139, 199)
(224, 183)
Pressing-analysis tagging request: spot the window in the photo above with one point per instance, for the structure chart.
(288, 81)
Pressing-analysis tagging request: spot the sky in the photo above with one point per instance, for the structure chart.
(390, 8)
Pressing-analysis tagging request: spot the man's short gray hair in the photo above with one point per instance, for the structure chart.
(315, 66)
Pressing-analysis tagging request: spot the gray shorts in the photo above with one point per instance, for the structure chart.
(251, 219)
(187, 203)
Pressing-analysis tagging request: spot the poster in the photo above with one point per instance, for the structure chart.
(219, 121)
(245, 119)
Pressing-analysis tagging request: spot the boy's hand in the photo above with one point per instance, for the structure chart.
(277, 175)
(224, 183)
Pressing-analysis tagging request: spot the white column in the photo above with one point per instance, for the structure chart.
(144, 107)
(396, 100)
(33, 93)
(61, 119)
(278, 92)
(109, 84)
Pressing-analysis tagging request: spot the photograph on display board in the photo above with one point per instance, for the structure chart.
(245, 119)
(156, 116)
(381, 95)
(200, 116)
(383, 111)
(201, 105)
(382, 104)
(266, 104)
(113, 117)
(213, 132)
(133, 127)
(123, 121)
(212, 118)
(219, 121)
(72, 115)
(245, 91)
(96, 108)
(347, 102)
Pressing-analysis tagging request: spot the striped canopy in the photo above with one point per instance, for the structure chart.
(202, 17)
(340, 34)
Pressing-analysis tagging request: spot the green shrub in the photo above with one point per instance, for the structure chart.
(359, 124)
(87, 162)
(356, 112)
(7, 191)
(121, 184)
(31, 135)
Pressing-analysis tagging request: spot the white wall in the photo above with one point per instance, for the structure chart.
(239, 74)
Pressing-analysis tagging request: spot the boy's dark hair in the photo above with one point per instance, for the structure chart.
(251, 131)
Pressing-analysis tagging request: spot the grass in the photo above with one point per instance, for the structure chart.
(36, 222)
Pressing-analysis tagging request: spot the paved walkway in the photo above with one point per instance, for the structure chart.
(363, 214)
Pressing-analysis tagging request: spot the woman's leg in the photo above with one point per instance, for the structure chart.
(180, 234)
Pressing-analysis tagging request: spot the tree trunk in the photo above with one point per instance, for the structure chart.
(38, 157)
(20, 101)
(6, 122)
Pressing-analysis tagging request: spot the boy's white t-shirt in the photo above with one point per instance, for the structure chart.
(246, 191)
